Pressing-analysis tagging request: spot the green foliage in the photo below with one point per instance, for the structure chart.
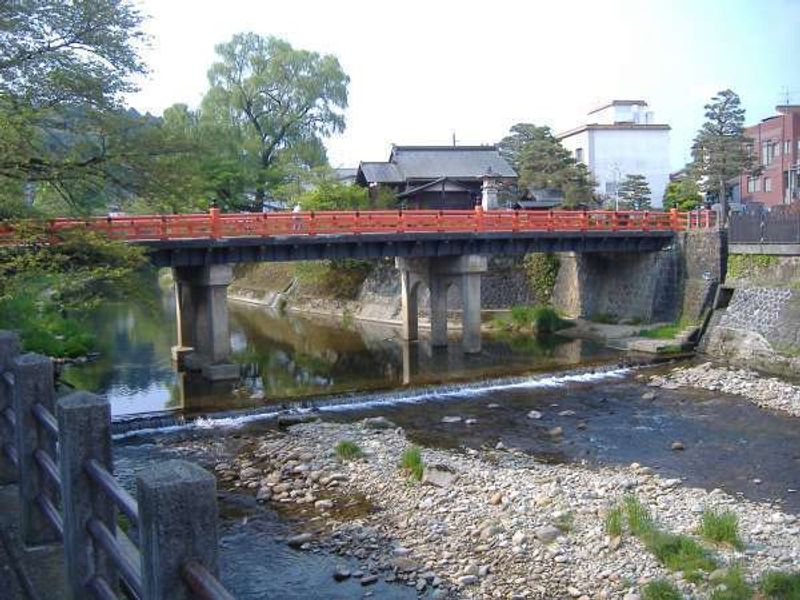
(542, 271)
(340, 279)
(679, 553)
(347, 450)
(540, 320)
(542, 162)
(614, 522)
(604, 318)
(565, 521)
(639, 520)
(47, 291)
(720, 149)
(779, 585)
(281, 102)
(661, 589)
(721, 527)
(732, 587)
(749, 265)
(411, 463)
(683, 195)
(664, 332)
(332, 195)
(634, 192)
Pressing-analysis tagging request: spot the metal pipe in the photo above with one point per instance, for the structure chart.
(202, 583)
(51, 513)
(106, 481)
(46, 419)
(11, 453)
(100, 589)
(48, 467)
(129, 569)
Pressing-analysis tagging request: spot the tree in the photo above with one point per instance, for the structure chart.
(541, 161)
(683, 194)
(635, 192)
(720, 151)
(282, 101)
(65, 137)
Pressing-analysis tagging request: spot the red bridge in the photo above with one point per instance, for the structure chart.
(216, 225)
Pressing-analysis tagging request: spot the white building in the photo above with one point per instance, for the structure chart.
(619, 139)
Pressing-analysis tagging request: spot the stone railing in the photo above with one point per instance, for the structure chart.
(58, 451)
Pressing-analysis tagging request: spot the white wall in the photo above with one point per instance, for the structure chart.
(579, 140)
(620, 152)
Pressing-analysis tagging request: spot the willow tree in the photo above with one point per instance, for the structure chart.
(283, 101)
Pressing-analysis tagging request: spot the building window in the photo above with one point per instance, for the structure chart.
(767, 184)
(787, 147)
(579, 154)
(752, 184)
(769, 150)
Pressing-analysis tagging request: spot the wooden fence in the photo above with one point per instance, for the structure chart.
(767, 228)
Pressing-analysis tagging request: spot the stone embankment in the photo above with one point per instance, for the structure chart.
(485, 524)
(766, 392)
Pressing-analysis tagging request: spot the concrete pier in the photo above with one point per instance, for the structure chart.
(439, 274)
(202, 308)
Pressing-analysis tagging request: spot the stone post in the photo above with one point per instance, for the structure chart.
(33, 383)
(409, 306)
(489, 193)
(84, 424)
(178, 523)
(9, 350)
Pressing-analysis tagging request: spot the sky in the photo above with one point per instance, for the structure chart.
(422, 71)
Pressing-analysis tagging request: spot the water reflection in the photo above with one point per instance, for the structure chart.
(286, 357)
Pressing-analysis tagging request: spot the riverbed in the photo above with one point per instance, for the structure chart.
(298, 367)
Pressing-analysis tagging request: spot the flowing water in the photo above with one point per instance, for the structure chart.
(345, 371)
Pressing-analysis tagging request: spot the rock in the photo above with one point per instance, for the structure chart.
(453, 419)
(470, 421)
(547, 534)
(324, 504)
(555, 431)
(567, 413)
(677, 446)
(649, 396)
(496, 498)
(378, 423)
(534, 414)
(518, 538)
(298, 540)
(631, 596)
(249, 473)
(340, 574)
(471, 569)
(264, 493)
(465, 580)
(717, 575)
(369, 579)
(403, 564)
(400, 551)
(493, 405)
(439, 476)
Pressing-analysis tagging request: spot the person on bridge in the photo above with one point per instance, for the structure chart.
(296, 219)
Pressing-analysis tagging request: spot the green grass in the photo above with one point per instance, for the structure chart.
(604, 318)
(665, 332)
(539, 319)
(411, 462)
(721, 527)
(614, 522)
(779, 585)
(675, 552)
(347, 450)
(732, 587)
(661, 589)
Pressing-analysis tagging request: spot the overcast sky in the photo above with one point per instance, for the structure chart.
(422, 70)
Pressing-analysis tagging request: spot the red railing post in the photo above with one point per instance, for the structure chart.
(311, 224)
(478, 217)
(401, 221)
(707, 218)
(645, 219)
(214, 225)
(584, 220)
(515, 225)
(614, 221)
(357, 223)
(673, 219)
(550, 220)
(439, 226)
(164, 229)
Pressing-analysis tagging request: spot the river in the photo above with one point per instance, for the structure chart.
(347, 370)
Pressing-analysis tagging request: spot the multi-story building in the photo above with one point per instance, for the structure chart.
(622, 138)
(776, 156)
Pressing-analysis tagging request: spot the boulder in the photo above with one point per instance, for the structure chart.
(439, 476)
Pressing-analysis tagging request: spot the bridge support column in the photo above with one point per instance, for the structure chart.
(438, 274)
(202, 305)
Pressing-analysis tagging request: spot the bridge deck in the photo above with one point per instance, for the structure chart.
(215, 238)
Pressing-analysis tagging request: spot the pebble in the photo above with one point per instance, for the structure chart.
(534, 414)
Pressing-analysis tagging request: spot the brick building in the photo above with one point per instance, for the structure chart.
(776, 150)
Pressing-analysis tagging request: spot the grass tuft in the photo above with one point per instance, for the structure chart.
(614, 522)
(565, 521)
(721, 527)
(779, 585)
(411, 462)
(661, 589)
(639, 519)
(347, 450)
(732, 587)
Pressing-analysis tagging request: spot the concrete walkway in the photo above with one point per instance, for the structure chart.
(26, 574)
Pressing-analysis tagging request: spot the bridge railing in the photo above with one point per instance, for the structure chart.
(214, 225)
(63, 467)
(767, 228)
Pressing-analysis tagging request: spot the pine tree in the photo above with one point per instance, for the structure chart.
(635, 192)
(720, 147)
